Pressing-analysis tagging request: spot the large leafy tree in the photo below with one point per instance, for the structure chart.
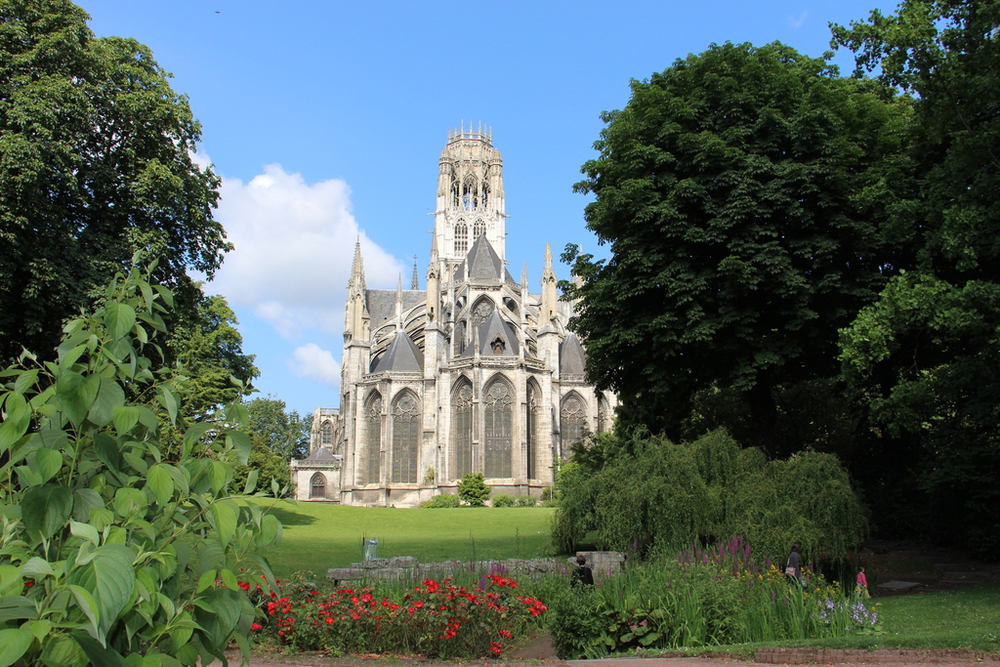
(743, 192)
(208, 350)
(95, 162)
(276, 435)
(926, 355)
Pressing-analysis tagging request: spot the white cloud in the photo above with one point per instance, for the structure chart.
(314, 362)
(797, 23)
(294, 246)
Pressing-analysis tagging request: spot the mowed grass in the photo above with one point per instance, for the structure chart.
(318, 536)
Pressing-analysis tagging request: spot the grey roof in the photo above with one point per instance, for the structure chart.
(488, 331)
(402, 355)
(382, 303)
(322, 454)
(484, 264)
(572, 358)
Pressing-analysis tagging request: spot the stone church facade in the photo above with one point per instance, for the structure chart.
(473, 373)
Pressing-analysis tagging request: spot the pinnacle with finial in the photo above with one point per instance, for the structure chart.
(415, 283)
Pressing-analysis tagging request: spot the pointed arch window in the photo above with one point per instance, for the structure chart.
(326, 434)
(485, 199)
(470, 192)
(461, 427)
(459, 337)
(317, 486)
(478, 229)
(572, 421)
(373, 439)
(498, 408)
(531, 430)
(405, 438)
(461, 238)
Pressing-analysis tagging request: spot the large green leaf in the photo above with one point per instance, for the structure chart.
(13, 644)
(223, 515)
(46, 508)
(15, 422)
(16, 607)
(77, 394)
(110, 578)
(47, 463)
(109, 397)
(125, 417)
(160, 483)
(119, 318)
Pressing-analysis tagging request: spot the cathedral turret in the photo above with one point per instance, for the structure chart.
(356, 315)
(549, 296)
(470, 197)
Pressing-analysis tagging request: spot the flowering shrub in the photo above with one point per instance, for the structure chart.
(436, 619)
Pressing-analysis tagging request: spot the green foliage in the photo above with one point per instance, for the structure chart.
(659, 495)
(473, 490)
(96, 161)
(445, 500)
(208, 350)
(924, 358)
(503, 500)
(108, 551)
(742, 192)
(928, 357)
(276, 436)
(700, 598)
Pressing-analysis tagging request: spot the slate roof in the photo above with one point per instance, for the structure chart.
(402, 355)
(488, 331)
(382, 303)
(484, 264)
(572, 358)
(322, 454)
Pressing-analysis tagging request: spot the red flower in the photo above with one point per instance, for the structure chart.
(496, 647)
(256, 626)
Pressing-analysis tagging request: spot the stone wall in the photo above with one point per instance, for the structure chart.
(603, 563)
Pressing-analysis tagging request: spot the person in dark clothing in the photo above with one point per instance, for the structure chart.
(583, 574)
(792, 569)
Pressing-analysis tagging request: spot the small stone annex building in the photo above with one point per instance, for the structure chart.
(475, 373)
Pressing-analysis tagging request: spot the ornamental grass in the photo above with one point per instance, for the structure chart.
(436, 619)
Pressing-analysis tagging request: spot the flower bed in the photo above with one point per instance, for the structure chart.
(437, 619)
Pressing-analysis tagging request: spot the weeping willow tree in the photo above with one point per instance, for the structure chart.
(665, 496)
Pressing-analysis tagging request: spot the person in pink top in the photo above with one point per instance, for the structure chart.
(862, 583)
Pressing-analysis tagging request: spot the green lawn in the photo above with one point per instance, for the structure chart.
(318, 536)
(965, 618)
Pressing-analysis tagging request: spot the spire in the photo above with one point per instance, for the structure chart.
(549, 296)
(524, 275)
(415, 283)
(357, 281)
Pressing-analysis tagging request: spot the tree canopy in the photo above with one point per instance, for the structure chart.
(743, 192)
(925, 356)
(96, 161)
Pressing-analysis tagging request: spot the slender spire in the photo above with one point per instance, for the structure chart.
(357, 280)
(524, 275)
(415, 283)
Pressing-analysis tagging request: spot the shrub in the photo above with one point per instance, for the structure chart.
(442, 501)
(524, 501)
(658, 494)
(108, 549)
(473, 490)
(503, 500)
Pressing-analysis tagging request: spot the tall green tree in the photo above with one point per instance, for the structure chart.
(925, 356)
(208, 350)
(95, 162)
(276, 435)
(743, 193)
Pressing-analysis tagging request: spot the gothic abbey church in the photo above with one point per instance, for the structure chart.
(475, 373)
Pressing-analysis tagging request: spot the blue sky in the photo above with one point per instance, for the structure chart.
(326, 120)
